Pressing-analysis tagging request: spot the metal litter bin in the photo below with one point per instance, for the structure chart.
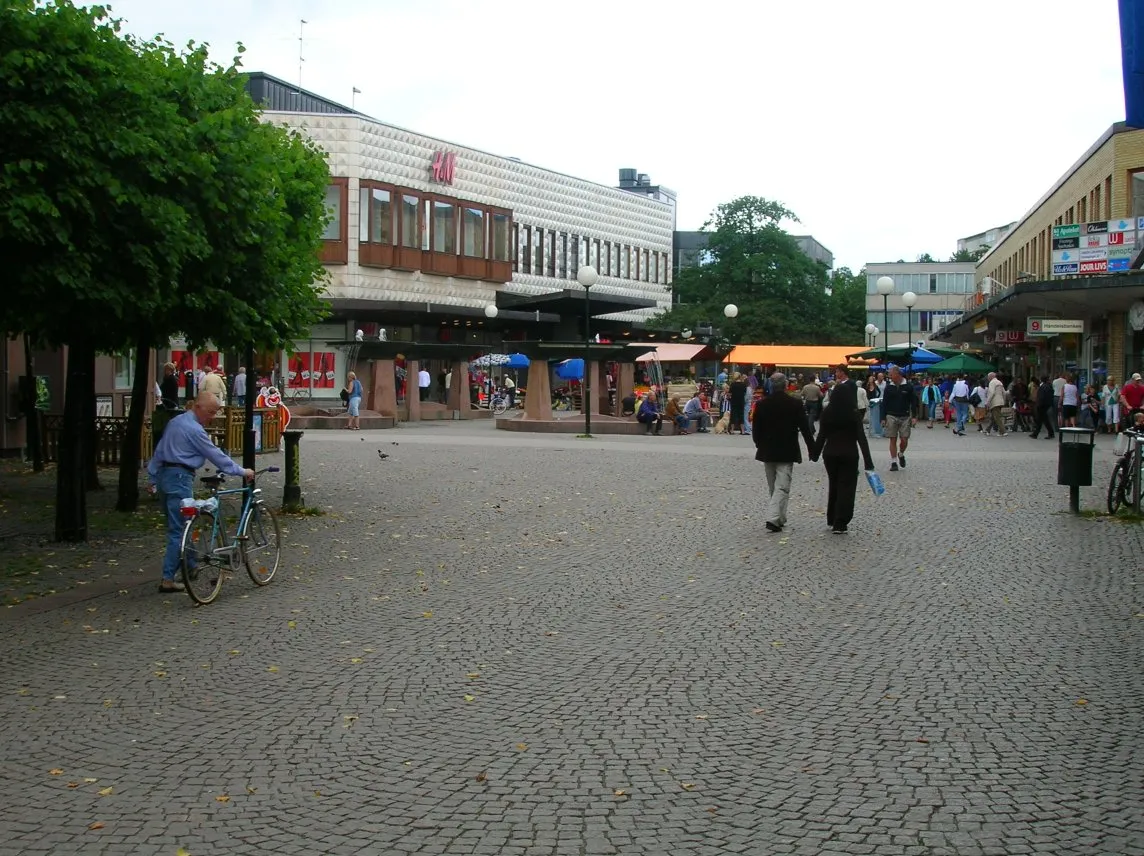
(1074, 461)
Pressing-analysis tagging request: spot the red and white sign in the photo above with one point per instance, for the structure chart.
(1010, 337)
(444, 165)
(1099, 240)
(1115, 239)
(1094, 267)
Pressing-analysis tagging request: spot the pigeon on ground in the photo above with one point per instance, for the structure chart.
(382, 454)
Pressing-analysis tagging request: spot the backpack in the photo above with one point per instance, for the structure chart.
(975, 399)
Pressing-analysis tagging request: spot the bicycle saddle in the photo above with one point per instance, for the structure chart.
(214, 480)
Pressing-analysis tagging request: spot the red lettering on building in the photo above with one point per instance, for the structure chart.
(444, 165)
(1115, 239)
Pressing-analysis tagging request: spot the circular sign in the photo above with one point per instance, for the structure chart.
(1034, 326)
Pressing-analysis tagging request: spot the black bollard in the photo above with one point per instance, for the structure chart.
(292, 490)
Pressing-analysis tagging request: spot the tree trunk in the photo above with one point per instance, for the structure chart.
(71, 487)
(91, 430)
(31, 414)
(141, 395)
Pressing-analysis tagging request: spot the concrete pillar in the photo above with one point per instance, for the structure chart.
(625, 384)
(383, 388)
(538, 392)
(1117, 332)
(600, 385)
(412, 393)
(592, 370)
(459, 390)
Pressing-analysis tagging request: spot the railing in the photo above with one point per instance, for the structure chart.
(225, 431)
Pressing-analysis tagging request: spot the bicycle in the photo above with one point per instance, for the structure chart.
(206, 556)
(1121, 485)
(498, 403)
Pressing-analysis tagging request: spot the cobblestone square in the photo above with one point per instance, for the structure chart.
(500, 643)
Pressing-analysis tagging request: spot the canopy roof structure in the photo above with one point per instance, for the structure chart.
(791, 356)
(674, 353)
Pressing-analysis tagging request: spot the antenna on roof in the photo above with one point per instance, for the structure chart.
(301, 59)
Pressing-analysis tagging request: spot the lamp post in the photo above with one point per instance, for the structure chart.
(909, 299)
(587, 277)
(886, 288)
(730, 311)
(871, 332)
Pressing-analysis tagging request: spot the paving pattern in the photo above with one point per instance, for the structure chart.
(503, 644)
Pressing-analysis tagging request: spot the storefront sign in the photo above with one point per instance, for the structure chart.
(1094, 267)
(1096, 245)
(1061, 257)
(1091, 228)
(1119, 264)
(1065, 269)
(444, 166)
(1052, 326)
(1070, 231)
(1066, 243)
(1010, 337)
(980, 325)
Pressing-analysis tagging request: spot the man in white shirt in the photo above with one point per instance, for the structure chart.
(1058, 390)
(994, 403)
(423, 382)
(959, 397)
(510, 390)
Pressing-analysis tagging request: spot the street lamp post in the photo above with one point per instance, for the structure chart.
(587, 277)
(886, 288)
(730, 311)
(871, 333)
(909, 299)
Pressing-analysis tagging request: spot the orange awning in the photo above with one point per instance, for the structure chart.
(793, 356)
(671, 353)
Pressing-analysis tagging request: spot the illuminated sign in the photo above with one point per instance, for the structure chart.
(444, 166)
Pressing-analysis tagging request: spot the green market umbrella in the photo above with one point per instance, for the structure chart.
(900, 350)
(961, 363)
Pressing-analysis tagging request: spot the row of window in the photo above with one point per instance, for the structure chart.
(916, 322)
(548, 252)
(404, 219)
(925, 283)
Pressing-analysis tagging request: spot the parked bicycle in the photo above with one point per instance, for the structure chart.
(498, 403)
(1122, 484)
(208, 554)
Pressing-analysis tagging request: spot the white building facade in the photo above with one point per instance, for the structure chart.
(941, 288)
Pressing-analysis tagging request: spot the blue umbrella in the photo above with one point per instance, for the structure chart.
(571, 369)
(517, 361)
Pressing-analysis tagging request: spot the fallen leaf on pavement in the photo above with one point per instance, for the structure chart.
(106, 792)
(96, 825)
(523, 747)
(222, 798)
(620, 793)
(469, 697)
(687, 786)
(56, 772)
(73, 784)
(481, 777)
(1082, 701)
(272, 668)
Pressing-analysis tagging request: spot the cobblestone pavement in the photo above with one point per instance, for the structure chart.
(504, 644)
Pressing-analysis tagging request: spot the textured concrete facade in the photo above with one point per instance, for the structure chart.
(361, 148)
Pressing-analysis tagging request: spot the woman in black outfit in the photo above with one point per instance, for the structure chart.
(169, 388)
(840, 438)
(738, 403)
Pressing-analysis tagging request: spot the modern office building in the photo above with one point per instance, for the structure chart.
(941, 289)
(984, 239)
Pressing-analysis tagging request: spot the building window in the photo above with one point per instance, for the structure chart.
(551, 252)
(643, 265)
(516, 227)
(1136, 193)
(561, 256)
(335, 198)
(1108, 198)
(375, 215)
(474, 233)
(409, 232)
(124, 371)
(1082, 210)
(574, 257)
(526, 249)
(625, 261)
(538, 251)
(444, 228)
(654, 267)
(933, 283)
(502, 248)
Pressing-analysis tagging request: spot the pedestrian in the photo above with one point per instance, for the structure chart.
(898, 403)
(779, 419)
(184, 447)
(839, 441)
(240, 386)
(738, 396)
(1110, 401)
(649, 415)
(812, 400)
(960, 398)
(1045, 412)
(353, 402)
(510, 390)
(423, 383)
(214, 382)
(442, 390)
(977, 399)
(931, 398)
(878, 414)
(995, 404)
(169, 387)
(1132, 398)
(1070, 402)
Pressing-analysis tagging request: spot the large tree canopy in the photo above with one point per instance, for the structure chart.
(140, 198)
(782, 294)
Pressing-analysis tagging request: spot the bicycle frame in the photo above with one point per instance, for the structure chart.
(250, 496)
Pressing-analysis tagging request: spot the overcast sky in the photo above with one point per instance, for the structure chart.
(890, 127)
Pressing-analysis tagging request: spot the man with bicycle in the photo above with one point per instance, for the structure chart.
(183, 449)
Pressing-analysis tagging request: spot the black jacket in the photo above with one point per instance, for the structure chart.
(779, 419)
(1045, 396)
(899, 399)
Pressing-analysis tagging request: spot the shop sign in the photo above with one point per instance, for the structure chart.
(1052, 326)
(980, 325)
(1070, 231)
(1094, 240)
(1061, 257)
(1125, 225)
(1120, 252)
(1093, 228)
(1094, 267)
(1066, 243)
(444, 166)
(1066, 269)
(1115, 239)
(1092, 255)
(1119, 264)
(1010, 337)
(1096, 244)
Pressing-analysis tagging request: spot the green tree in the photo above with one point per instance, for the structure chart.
(141, 197)
(752, 262)
(967, 255)
(926, 258)
(847, 317)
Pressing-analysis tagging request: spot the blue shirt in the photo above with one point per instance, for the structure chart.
(355, 390)
(185, 441)
(693, 407)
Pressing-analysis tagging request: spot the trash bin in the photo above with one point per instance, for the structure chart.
(1074, 461)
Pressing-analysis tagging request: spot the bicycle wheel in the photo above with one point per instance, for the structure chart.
(262, 544)
(201, 563)
(499, 405)
(1118, 487)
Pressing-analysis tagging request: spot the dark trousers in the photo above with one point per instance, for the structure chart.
(649, 422)
(1045, 416)
(842, 477)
